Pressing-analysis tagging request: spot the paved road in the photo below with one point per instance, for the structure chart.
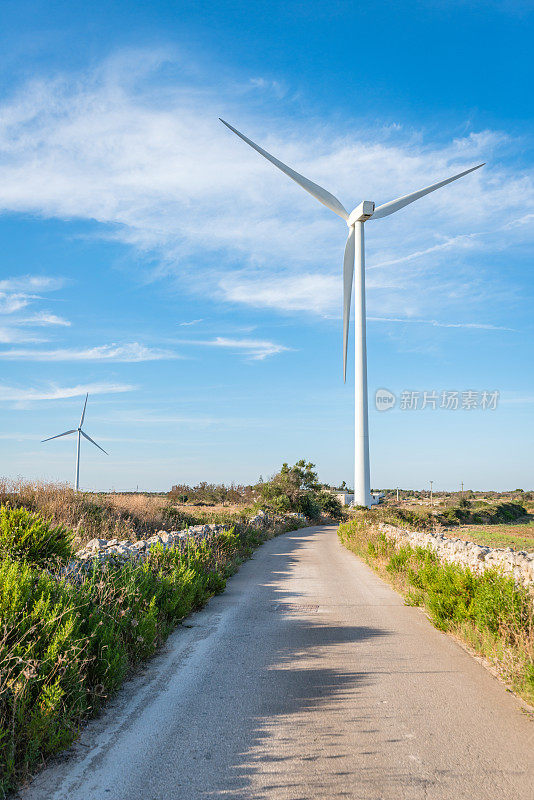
(308, 678)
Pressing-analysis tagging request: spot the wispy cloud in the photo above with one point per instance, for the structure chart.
(31, 284)
(306, 292)
(439, 324)
(151, 166)
(133, 352)
(43, 318)
(10, 303)
(13, 335)
(14, 394)
(465, 241)
(192, 322)
(16, 294)
(255, 349)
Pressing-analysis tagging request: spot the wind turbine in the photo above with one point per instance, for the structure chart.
(354, 254)
(80, 433)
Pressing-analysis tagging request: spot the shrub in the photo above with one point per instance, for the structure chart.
(309, 506)
(330, 505)
(466, 513)
(26, 535)
(66, 647)
(297, 489)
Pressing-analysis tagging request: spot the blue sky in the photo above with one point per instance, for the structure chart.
(151, 258)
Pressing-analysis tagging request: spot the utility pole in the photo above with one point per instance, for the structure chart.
(431, 495)
(397, 494)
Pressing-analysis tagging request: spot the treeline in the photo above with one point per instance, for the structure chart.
(454, 497)
(212, 493)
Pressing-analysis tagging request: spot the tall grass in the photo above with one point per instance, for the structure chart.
(488, 611)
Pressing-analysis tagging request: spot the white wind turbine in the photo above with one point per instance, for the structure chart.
(80, 433)
(354, 253)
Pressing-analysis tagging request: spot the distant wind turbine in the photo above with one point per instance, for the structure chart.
(80, 433)
(354, 253)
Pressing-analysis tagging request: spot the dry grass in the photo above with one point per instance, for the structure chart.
(110, 516)
(142, 506)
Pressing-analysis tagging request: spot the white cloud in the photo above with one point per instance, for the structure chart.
(11, 335)
(31, 283)
(10, 303)
(256, 349)
(192, 322)
(16, 394)
(43, 318)
(132, 352)
(15, 297)
(318, 293)
(465, 241)
(159, 172)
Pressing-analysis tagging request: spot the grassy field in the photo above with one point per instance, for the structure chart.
(499, 522)
(519, 535)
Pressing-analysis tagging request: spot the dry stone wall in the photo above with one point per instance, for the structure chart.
(116, 552)
(517, 563)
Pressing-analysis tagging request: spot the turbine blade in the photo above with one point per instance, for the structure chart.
(348, 275)
(92, 442)
(66, 433)
(83, 412)
(316, 191)
(394, 205)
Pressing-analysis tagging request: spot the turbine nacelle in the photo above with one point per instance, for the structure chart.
(361, 213)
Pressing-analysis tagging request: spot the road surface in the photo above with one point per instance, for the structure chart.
(307, 679)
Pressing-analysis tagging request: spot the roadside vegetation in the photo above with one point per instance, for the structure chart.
(67, 645)
(112, 515)
(487, 611)
(129, 515)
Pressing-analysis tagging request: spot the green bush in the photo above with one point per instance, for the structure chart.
(66, 647)
(297, 489)
(27, 536)
(465, 513)
(330, 505)
(309, 506)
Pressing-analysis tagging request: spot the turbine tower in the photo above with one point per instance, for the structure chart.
(80, 433)
(354, 255)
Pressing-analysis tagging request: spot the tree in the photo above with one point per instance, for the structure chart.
(297, 489)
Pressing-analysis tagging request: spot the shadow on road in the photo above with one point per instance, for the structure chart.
(281, 661)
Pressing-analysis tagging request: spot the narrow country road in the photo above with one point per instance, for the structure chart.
(308, 678)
